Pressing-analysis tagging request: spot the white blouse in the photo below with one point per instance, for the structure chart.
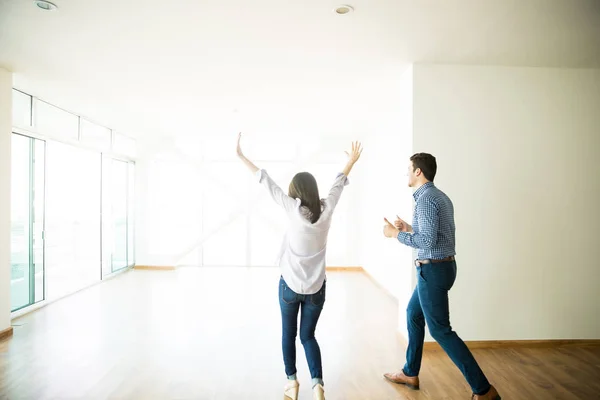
(302, 254)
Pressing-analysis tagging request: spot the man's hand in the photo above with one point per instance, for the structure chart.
(390, 230)
(402, 225)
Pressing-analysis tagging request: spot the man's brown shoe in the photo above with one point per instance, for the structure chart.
(399, 378)
(491, 395)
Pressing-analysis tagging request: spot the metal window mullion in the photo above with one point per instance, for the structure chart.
(44, 227)
(31, 218)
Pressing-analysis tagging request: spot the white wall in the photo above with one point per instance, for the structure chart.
(517, 152)
(5, 147)
(385, 193)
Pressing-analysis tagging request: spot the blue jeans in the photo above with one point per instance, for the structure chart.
(429, 303)
(312, 305)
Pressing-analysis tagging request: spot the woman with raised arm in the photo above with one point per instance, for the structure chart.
(302, 263)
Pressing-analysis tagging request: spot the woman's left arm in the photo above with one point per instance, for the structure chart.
(242, 157)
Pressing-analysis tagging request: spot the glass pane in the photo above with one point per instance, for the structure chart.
(39, 165)
(95, 135)
(219, 149)
(131, 216)
(232, 177)
(227, 247)
(225, 187)
(20, 222)
(53, 121)
(119, 176)
(108, 237)
(174, 202)
(21, 111)
(72, 219)
(124, 145)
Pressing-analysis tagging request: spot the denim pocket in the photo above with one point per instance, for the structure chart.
(287, 295)
(421, 275)
(318, 299)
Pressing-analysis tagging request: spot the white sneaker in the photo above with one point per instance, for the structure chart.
(290, 391)
(319, 392)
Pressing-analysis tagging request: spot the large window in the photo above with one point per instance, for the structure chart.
(240, 224)
(72, 202)
(27, 222)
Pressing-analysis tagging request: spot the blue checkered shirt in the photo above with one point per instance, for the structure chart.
(433, 224)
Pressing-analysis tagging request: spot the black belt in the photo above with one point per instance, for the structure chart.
(418, 263)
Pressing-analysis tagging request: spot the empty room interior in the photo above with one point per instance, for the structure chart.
(377, 200)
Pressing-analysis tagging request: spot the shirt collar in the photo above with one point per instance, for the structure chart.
(419, 192)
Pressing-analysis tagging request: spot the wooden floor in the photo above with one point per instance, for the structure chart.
(215, 334)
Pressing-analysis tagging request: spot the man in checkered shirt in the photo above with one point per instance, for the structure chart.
(432, 234)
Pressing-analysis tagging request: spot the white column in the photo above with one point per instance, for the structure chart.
(5, 136)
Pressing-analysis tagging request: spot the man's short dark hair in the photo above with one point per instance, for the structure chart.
(426, 162)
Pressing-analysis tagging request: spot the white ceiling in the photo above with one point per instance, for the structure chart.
(184, 66)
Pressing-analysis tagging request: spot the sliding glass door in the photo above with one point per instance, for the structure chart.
(27, 221)
(117, 215)
(72, 219)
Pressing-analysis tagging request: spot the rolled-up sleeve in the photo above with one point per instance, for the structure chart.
(426, 237)
(336, 190)
(275, 191)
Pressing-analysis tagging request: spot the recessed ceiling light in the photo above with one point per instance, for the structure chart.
(45, 5)
(343, 9)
